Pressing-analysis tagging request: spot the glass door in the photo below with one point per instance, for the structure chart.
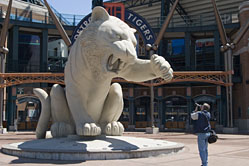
(175, 112)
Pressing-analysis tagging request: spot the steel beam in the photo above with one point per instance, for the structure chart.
(58, 25)
(165, 25)
(220, 25)
(180, 10)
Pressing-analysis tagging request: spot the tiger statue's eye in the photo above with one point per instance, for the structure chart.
(119, 37)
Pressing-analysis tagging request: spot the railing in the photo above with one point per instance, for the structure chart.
(40, 16)
(54, 64)
(59, 15)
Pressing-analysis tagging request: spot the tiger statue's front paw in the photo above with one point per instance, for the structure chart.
(88, 129)
(161, 67)
(114, 128)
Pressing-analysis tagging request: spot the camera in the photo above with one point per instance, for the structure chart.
(198, 106)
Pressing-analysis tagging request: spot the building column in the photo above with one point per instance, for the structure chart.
(192, 55)
(160, 107)
(12, 66)
(44, 51)
(218, 98)
(131, 99)
(217, 50)
(189, 107)
(11, 107)
(223, 106)
(187, 50)
(12, 58)
(219, 126)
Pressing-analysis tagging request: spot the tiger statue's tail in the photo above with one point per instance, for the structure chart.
(54, 107)
(42, 125)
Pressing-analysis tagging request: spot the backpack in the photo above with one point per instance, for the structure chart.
(213, 137)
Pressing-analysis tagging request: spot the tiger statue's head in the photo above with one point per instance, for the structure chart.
(105, 48)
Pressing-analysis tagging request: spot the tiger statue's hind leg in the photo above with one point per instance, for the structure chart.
(111, 112)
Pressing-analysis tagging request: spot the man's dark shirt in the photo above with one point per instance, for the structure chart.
(201, 124)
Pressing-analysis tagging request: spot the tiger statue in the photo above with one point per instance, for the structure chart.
(90, 105)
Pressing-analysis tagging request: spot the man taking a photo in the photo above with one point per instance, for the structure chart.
(201, 117)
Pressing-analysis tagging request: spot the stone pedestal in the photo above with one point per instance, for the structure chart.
(230, 130)
(152, 130)
(92, 148)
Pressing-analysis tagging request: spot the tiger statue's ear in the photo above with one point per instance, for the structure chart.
(99, 14)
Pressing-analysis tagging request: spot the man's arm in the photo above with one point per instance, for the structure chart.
(194, 115)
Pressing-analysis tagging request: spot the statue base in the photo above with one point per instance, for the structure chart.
(91, 148)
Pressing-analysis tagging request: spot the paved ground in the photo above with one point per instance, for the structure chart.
(230, 150)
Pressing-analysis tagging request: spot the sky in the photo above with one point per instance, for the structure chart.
(77, 7)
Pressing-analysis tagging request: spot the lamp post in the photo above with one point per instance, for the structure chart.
(153, 49)
(3, 52)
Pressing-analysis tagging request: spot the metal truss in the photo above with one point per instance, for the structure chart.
(11, 79)
(180, 10)
(213, 77)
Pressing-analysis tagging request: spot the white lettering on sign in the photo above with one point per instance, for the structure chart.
(132, 18)
(82, 27)
(141, 25)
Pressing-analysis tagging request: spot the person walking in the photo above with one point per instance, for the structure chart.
(201, 117)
